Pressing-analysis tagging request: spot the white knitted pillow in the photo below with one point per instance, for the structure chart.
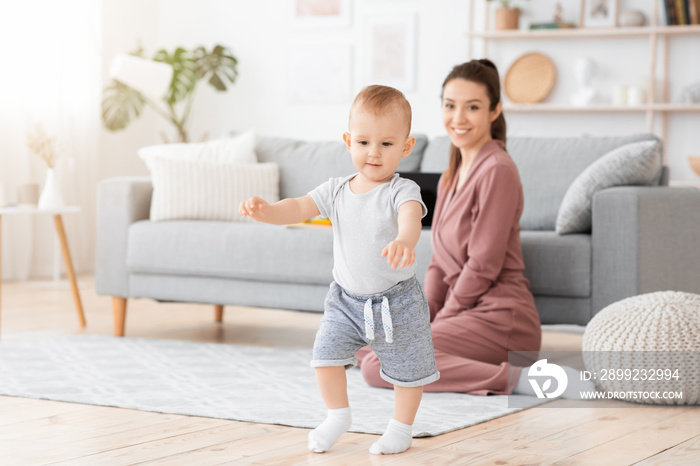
(637, 163)
(207, 189)
(239, 149)
(654, 331)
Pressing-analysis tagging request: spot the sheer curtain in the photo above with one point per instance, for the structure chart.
(51, 75)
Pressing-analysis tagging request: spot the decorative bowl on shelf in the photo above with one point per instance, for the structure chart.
(530, 78)
(632, 18)
(694, 161)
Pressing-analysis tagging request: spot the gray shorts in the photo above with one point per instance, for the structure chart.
(403, 342)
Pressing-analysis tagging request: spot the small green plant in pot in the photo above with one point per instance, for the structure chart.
(122, 104)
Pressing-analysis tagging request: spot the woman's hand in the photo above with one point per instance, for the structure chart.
(399, 253)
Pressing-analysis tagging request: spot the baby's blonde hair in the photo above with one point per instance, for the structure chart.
(380, 100)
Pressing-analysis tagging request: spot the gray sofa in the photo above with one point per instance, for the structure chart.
(642, 238)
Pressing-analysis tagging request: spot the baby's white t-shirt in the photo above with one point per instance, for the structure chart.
(363, 225)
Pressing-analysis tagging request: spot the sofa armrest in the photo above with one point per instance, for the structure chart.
(120, 202)
(644, 240)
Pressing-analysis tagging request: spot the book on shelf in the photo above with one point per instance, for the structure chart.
(680, 7)
(671, 14)
(536, 26)
(694, 11)
(682, 12)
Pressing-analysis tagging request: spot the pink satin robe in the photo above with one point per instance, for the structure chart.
(480, 303)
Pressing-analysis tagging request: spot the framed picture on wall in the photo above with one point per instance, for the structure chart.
(599, 13)
(320, 74)
(390, 51)
(321, 13)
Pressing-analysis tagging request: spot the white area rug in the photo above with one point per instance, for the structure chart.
(243, 383)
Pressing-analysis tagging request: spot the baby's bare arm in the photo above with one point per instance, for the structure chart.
(401, 252)
(284, 212)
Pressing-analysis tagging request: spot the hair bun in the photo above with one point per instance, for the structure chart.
(487, 62)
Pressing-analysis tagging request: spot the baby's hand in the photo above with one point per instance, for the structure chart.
(255, 208)
(399, 254)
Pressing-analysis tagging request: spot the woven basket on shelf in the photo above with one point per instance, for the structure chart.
(530, 78)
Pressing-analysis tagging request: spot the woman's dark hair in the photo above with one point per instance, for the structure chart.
(481, 71)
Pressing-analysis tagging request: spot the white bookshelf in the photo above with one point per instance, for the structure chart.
(649, 107)
(579, 33)
(655, 33)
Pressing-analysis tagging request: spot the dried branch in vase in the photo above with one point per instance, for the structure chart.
(46, 147)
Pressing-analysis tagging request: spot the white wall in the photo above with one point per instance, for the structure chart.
(261, 34)
(125, 25)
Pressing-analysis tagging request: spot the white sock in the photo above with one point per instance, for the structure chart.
(396, 439)
(523, 386)
(573, 390)
(336, 424)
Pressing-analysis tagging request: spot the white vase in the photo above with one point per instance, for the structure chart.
(51, 195)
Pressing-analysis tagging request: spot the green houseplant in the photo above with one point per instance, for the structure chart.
(122, 104)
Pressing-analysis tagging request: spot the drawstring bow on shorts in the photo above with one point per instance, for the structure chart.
(387, 323)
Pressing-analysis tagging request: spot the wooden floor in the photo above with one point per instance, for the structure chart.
(34, 432)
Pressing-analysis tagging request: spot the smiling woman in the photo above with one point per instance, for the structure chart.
(471, 113)
(52, 77)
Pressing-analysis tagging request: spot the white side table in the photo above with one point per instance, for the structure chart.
(60, 232)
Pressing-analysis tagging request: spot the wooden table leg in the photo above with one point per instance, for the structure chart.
(69, 269)
(119, 314)
(218, 313)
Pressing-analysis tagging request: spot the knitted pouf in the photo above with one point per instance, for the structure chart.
(646, 345)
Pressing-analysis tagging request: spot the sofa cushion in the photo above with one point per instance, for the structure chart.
(305, 165)
(436, 155)
(239, 149)
(223, 249)
(557, 265)
(547, 168)
(249, 251)
(634, 164)
(201, 189)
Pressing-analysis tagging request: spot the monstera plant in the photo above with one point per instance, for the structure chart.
(122, 104)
